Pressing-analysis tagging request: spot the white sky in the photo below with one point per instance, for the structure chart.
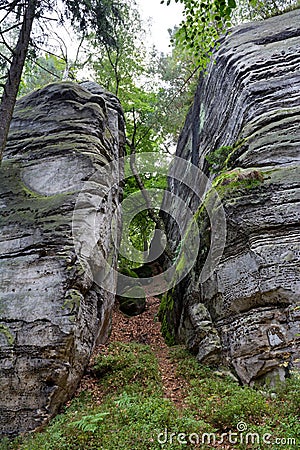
(162, 17)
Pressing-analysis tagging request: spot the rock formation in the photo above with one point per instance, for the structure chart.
(51, 312)
(243, 131)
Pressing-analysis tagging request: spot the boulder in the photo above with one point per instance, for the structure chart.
(243, 133)
(133, 301)
(51, 312)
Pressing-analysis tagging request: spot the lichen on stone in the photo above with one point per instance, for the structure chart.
(4, 330)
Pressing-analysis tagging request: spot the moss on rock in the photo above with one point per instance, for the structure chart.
(164, 315)
(4, 330)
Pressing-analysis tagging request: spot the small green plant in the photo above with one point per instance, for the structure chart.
(165, 309)
(134, 410)
(90, 422)
(229, 182)
(220, 159)
(128, 365)
(217, 159)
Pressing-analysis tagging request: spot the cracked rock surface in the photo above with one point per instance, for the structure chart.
(51, 312)
(246, 315)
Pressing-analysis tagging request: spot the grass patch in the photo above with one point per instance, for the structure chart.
(132, 414)
(134, 411)
(130, 368)
(220, 401)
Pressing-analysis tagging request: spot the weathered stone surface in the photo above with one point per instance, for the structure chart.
(51, 312)
(246, 315)
(132, 305)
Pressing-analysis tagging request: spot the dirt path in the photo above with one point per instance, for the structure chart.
(143, 329)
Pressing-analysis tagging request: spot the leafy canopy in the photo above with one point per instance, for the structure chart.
(21, 17)
(203, 23)
(205, 20)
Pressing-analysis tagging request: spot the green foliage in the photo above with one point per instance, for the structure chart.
(84, 16)
(288, 396)
(101, 16)
(222, 158)
(257, 9)
(90, 422)
(132, 413)
(227, 180)
(132, 365)
(202, 25)
(205, 21)
(138, 233)
(37, 73)
(125, 270)
(223, 403)
(155, 90)
(217, 159)
(165, 310)
(115, 67)
(237, 180)
(131, 417)
(149, 86)
(179, 76)
(127, 71)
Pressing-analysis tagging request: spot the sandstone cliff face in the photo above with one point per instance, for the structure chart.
(51, 312)
(246, 315)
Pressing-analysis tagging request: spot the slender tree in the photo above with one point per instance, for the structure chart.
(15, 72)
(98, 15)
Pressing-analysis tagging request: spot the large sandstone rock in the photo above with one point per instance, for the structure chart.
(246, 315)
(51, 312)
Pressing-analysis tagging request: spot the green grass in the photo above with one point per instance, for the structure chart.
(223, 403)
(134, 411)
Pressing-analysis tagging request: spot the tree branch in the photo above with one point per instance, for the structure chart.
(44, 68)
(6, 44)
(5, 57)
(78, 49)
(48, 52)
(151, 212)
(169, 104)
(12, 27)
(114, 67)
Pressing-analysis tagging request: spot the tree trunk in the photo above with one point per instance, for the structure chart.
(14, 75)
(151, 212)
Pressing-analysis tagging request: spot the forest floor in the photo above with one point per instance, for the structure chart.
(142, 329)
(139, 394)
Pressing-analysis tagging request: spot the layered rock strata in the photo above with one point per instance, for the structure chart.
(51, 311)
(243, 132)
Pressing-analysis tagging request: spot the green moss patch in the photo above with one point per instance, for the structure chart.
(4, 330)
(165, 317)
